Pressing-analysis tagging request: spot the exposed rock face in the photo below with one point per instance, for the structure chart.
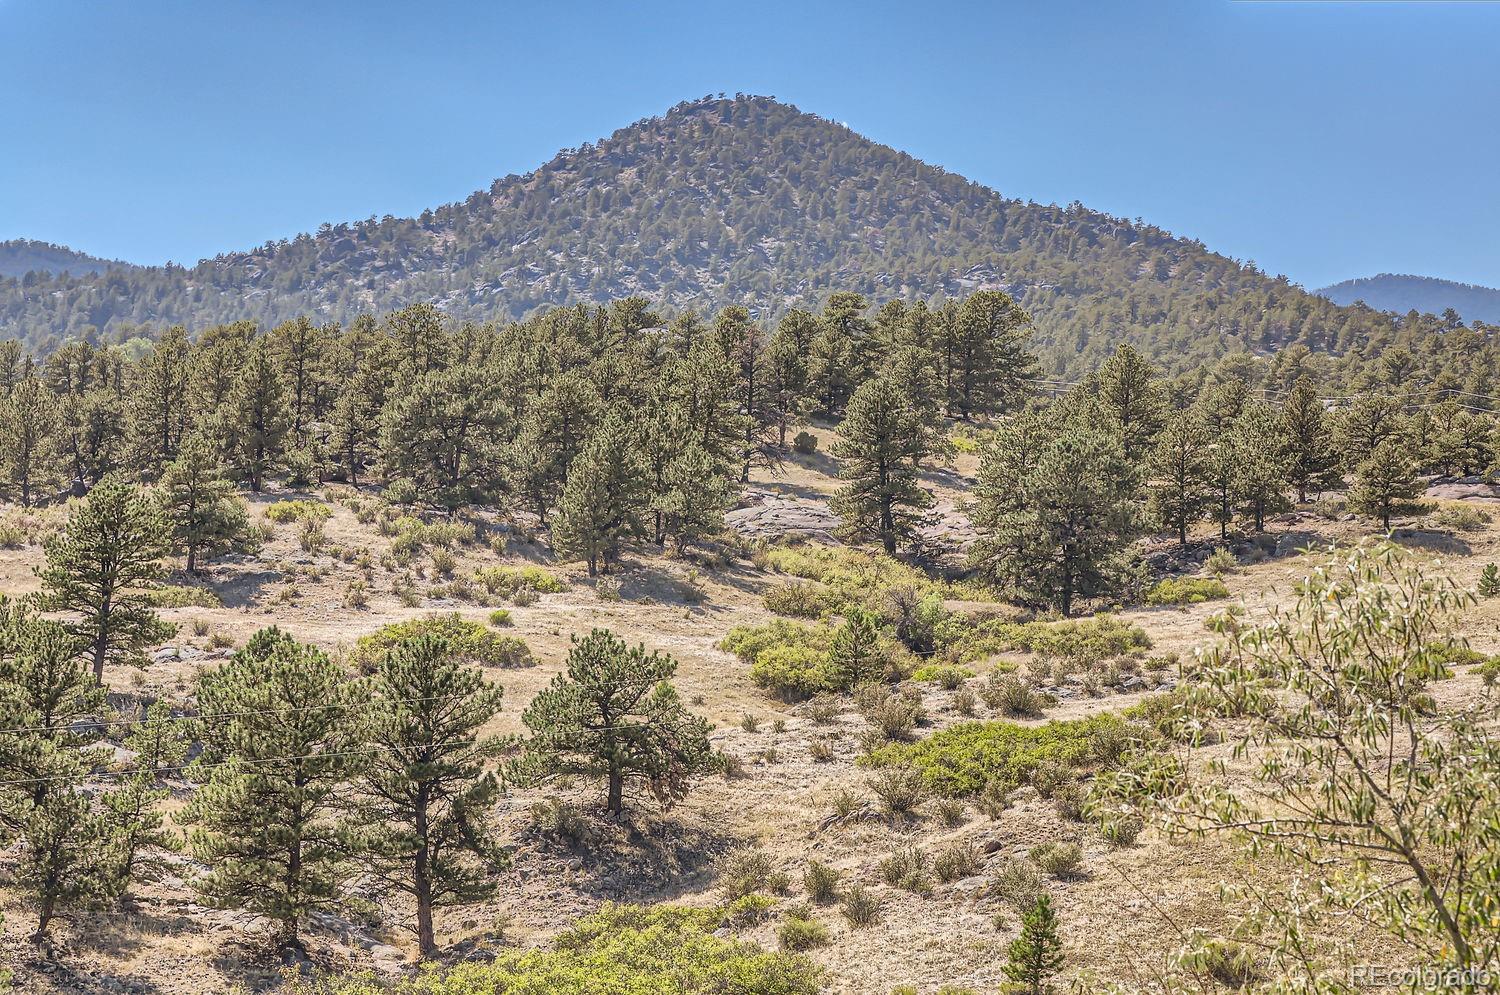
(765, 514)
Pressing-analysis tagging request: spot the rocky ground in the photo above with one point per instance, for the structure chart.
(1119, 915)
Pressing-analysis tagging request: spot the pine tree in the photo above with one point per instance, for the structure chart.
(1489, 581)
(693, 500)
(68, 855)
(1130, 397)
(614, 715)
(159, 409)
(301, 349)
(605, 497)
(1368, 421)
(1261, 452)
(28, 443)
(355, 423)
(838, 355)
(787, 369)
(1036, 955)
(1385, 484)
(92, 436)
(884, 441)
(258, 414)
(553, 431)
(854, 655)
(1312, 464)
(1178, 470)
(99, 567)
(202, 512)
(990, 364)
(159, 746)
(439, 432)
(281, 729)
(418, 821)
(1055, 511)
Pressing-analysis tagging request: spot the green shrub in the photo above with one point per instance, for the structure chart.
(821, 882)
(1220, 562)
(800, 931)
(956, 861)
(908, 869)
(805, 443)
(507, 582)
(1460, 518)
(859, 907)
(946, 676)
(749, 872)
(791, 671)
(962, 759)
(639, 950)
(500, 618)
(1011, 695)
(801, 599)
(1059, 860)
(181, 596)
(900, 789)
(748, 641)
(976, 637)
(469, 640)
(282, 512)
(1186, 591)
(1017, 882)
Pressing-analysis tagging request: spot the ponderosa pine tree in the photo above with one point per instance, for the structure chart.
(1385, 484)
(693, 500)
(1364, 424)
(614, 715)
(884, 441)
(160, 747)
(417, 820)
(552, 432)
(1036, 955)
(1055, 511)
(257, 414)
(1261, 454)
(787, 369)
(68, 854)
(706, 390)
(1178, 473)
(1312, 464)
(990, 363)
(355, 423)
(605, 499)
(440, 433)
(281, 731)
(1129, 398)
(159, 407)
(100, 567)
(28, 442)
(838, 356)
(301, 349)
(202, 512)
(854, 656)
(91, 437)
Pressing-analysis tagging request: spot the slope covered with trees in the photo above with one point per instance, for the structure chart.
(742, 201)
(1402, 293)
(20, 256)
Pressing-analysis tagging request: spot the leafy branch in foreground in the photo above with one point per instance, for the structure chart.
(1385, 808)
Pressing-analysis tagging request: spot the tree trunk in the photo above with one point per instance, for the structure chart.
(192, 558)
(422, 885)
(616, 791)
(44, 917)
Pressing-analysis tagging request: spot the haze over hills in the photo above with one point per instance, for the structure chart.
(20, 256)
(720, 201)
(1402, 293)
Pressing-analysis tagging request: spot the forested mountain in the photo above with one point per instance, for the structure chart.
(20, 256)
(1402, 293)
(744, 201)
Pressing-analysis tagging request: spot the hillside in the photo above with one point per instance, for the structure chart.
(743, 200)
(20, 256)
(1402, 293)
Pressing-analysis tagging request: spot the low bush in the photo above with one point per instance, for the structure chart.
(1186, 591)
(1018, 883)
(821, 882)
(469, 640)
(976, 637)
(802, 599)
(748, 872)
(895, 716)
(282, 512)
(1220, 562)
(900, 789)
(908, 869)
(1460, 518)
(792, 672)
(748, 641)
(805, 443)
(801, 932)
(507, 582)
(956, 861)
(963, 759)
(500, 618)
(859, 907)
(649, 950)
(945, 676)
(1058, 860)
(1010, 695)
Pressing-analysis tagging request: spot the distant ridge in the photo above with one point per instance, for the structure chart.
(20, 256)
(1401, 293)
(739, 200)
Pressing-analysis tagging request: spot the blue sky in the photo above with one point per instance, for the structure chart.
(1322, 140)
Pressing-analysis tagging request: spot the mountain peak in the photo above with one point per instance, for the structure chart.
(20, 256)
(1404, 292)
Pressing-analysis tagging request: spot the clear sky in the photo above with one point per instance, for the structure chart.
(1322, 140)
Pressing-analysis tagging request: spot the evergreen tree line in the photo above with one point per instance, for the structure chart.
(604, 422)
(1067, 486)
